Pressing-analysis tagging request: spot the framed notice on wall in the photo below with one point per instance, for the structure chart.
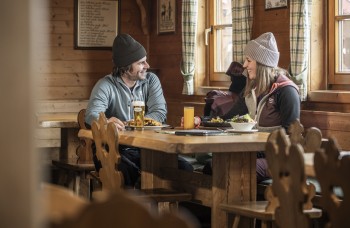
(166, 20)
(96, 23)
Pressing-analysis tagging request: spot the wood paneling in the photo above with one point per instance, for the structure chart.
(277, 22)
(330, 123)
(66, 73)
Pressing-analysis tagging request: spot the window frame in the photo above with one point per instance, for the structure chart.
(335, 78)
(215, 78)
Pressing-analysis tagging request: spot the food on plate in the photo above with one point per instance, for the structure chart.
(216, 120)
(146, 122)
(241, 119)
(151, 122)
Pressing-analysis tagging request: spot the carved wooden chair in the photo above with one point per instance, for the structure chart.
(107, 150)
(59, 203)
(332, 170)
(84, 150)
(310, 139)
(62, 209)
(289, 197)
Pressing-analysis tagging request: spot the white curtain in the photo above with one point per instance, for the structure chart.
(189, 33)
(242, 20)
(300, 13)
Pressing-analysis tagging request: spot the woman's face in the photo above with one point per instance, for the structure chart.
(250, 65)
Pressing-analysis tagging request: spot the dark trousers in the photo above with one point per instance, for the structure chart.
(261, 169)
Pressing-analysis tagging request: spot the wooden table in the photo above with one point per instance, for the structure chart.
(68, 124)
(234, 164)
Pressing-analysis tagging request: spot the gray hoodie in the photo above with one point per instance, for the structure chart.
(113, 97)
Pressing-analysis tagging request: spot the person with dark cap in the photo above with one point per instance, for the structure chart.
(272, 98)
(114, 94)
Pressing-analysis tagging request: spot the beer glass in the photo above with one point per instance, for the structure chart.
(139, 113)
(188, 117)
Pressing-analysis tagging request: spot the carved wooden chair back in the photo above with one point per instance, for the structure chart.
(84, 150)
(333, 170)
(106, 139)
(310, 140)
(119, 209)
(59, 203)
(289, 194)
(289, 197)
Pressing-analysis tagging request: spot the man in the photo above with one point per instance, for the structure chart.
(114, 94)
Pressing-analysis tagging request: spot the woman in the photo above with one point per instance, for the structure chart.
(271, 97)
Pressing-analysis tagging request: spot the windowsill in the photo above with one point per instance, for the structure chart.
(329, 96)
(203, 90)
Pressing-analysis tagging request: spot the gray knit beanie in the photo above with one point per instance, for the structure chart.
(126, 50)
(263, 50)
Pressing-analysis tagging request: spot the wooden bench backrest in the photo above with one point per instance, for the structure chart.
(289, 194)
(331, 171)
(107, 150)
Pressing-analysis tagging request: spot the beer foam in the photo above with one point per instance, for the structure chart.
(138, 103)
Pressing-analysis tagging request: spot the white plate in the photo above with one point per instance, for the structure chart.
(237, 131)
(154, 127)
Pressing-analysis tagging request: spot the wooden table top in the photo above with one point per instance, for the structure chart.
(57, 120)
(170, 143)
(194, 144)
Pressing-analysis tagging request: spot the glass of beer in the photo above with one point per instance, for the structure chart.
(188, 117)
(139, 113)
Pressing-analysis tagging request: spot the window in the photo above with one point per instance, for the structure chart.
(339, 43)
(220, 41)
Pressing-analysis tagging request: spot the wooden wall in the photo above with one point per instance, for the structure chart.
(71, 74)
(67, 73)
(277, 22)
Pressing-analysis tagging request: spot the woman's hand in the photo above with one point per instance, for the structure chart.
(118, 123)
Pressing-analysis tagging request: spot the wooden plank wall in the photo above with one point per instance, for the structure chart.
(277, 22)
(69, 74)
(66, 73)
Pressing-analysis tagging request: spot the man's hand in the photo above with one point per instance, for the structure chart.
(118, 123)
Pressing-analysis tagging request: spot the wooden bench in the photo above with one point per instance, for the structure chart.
(335, 124)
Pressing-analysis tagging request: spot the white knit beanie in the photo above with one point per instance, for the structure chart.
(263, 50)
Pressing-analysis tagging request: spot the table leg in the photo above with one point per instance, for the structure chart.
(151, 162)
(234, 179)
(69, 143)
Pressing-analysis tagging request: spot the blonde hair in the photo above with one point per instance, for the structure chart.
(265, 77)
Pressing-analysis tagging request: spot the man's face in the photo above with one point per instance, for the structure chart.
(138, 70)
(250, 65)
